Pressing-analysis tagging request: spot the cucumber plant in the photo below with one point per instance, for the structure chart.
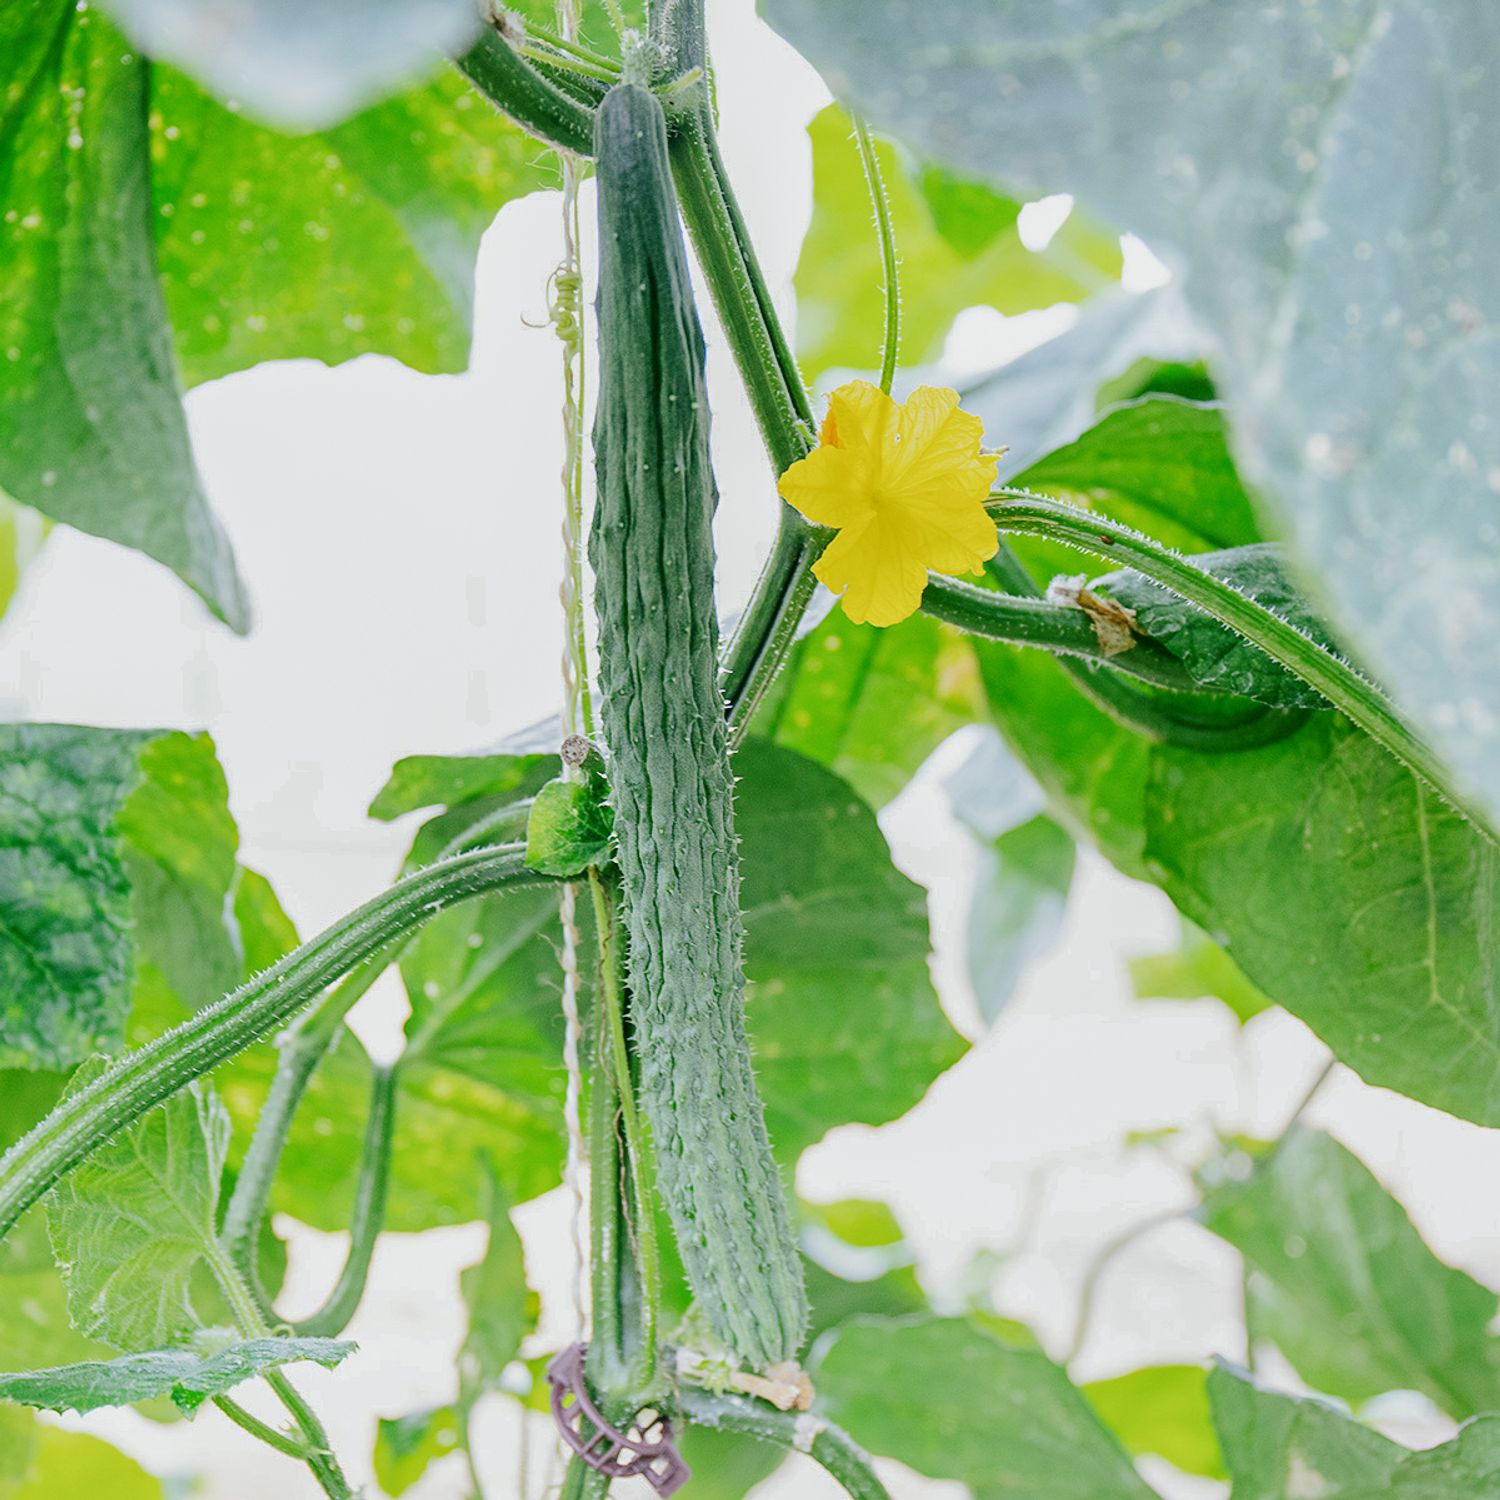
(655, 955)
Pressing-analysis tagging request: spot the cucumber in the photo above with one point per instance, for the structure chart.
(662, 714)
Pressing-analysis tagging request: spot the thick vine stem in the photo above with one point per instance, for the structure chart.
(1021, 513)
(832, 1447)
(137, 1082)
(536, 104)
(1027, 620)
(365, 1224)
(301, 1048)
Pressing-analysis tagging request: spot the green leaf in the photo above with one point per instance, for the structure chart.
(569, 828)
(1349, 894)
(305, 64)
(22, 533)
(1343, 890)
(843, 1019)
(862, 1222)
(482, 1072)
(359, 238)
(189, 1378)
(954, 1401)
(65, 950)
(18, 1430)
(132, 1223)
(726, 1465)
(1352, 328)
(873, 703)
(502, 1310)
(421, 781)
(94, 434)
(1217, 657)
(405, 1446)
(1092, 770)
(34, 1301)
(1162, 1409)
(1344, 1285)
(1197, 968)
(115, 885)
(1283, 1447)
(1043, 399)
(71, 1463)
(180, 846)
(1159, 464)
(840, 280)
(1016, 907)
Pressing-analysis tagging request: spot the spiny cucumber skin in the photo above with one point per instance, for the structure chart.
(663, 717)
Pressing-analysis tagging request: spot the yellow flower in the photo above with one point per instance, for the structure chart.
(905, 484)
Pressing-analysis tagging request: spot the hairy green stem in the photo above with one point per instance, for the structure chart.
(767, 631)
(292, 1447)
(739, 292)
(1020, 513)
(881, 207)
(83, 1121)
(567, 62)
(832, 1447)
(365, 1223)
(1183, 716)
(318, 1453)
(583, 1483)
(1028, 620)
(300, 1051)
(535, 103)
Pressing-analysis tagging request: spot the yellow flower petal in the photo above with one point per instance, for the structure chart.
(905, 485)
(829, 487)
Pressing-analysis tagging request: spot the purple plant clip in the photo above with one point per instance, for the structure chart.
(646, 1450)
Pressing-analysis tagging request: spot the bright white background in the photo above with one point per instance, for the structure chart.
(399, 537)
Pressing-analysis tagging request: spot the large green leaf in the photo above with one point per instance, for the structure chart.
(308, 63)
(22, 533)
(959, 244)
(1016, 906)
(954, 1401)
(360, 238)
(873, 703)
(1196, 969)
(179, 845)
(1353, 328)
(116, 884)
(144, 218)
(131, 1225)
(843, 1018)
(423, 781)
(1348, 893)
(1162, 1409)
(72, 1463)
(17, 1447)
(501, 1309)
(1160, 464)
(65, 952)
(34, 1302)
(1286, 1447)
(1344, 1285)
(1342, 888)
(93, 431)
(185, 1375)
(405, 1446)
(1216, 657)
(1042, 399)
(833, 932)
